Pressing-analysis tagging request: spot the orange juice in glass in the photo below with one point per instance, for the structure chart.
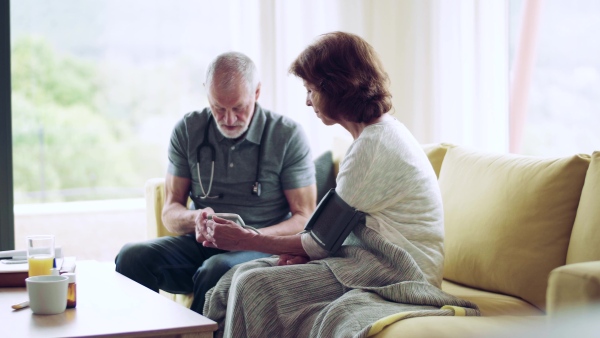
(40, 254)
(40, 265)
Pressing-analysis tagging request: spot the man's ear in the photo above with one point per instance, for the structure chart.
(257, 94)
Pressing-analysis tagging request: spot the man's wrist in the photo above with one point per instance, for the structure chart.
(252, 228)
(253, 242)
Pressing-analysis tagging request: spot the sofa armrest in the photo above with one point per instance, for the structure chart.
(572, 287)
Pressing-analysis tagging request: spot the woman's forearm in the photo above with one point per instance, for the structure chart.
(276, 245)
(298, 245)
(313, 250)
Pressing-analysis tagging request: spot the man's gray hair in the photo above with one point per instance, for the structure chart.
(236, 66)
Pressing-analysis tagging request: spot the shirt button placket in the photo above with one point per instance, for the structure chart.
(232, 148)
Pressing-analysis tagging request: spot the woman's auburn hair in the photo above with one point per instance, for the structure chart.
(348, 76)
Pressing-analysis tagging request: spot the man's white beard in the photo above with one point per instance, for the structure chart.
(234, 136)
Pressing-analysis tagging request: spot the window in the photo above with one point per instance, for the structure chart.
(562, 110)
(96, 88)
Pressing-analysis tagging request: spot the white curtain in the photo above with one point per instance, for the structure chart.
(279, 31)
(471, 73)
(447, 60)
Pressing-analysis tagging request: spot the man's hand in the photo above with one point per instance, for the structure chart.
(224, 234)
(286, 259)
(200, 221)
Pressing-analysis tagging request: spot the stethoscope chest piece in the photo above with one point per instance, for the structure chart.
(256, 188)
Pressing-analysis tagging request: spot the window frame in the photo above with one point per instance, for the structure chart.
(7, 224)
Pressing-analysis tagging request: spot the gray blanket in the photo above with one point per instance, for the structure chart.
(341, 296)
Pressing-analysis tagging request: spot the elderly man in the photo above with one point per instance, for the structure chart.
(232, 157)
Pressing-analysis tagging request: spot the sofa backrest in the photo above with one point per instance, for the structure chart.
(325, 174)
(508, 219)
(584, 244)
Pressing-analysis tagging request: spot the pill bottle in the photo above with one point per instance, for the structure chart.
(71, 291)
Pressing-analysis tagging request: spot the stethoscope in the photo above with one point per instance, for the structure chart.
(256, 187)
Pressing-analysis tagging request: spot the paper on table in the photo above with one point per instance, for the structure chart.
(15, 274)
(66, 264)
(8, 268)
(23, 253)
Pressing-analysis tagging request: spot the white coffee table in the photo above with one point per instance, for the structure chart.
(108, 304)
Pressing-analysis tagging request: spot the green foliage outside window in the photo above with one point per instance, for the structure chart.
(66, 144)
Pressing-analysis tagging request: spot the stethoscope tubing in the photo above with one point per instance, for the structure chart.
(256, 188)
(213, 154)
(212, 172)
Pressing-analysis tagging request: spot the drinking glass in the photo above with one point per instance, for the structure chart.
(40, 254)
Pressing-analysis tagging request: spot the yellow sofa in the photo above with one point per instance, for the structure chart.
(522, 239)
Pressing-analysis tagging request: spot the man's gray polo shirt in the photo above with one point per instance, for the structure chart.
(286, 163)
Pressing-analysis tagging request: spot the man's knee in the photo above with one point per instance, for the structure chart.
(131, 255)
(213, 268)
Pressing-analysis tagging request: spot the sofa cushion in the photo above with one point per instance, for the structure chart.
(490, 303)
(436, 152)
(584, 245)
(508, 219)
(451, 327)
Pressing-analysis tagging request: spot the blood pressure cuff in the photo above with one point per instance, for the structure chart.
(332, 221)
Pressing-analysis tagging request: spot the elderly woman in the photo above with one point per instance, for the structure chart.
(391, 262)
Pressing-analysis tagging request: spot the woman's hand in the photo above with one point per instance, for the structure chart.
(286, 259)
(200, 220)
(224, 234)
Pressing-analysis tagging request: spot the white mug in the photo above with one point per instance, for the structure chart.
(47, 294)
